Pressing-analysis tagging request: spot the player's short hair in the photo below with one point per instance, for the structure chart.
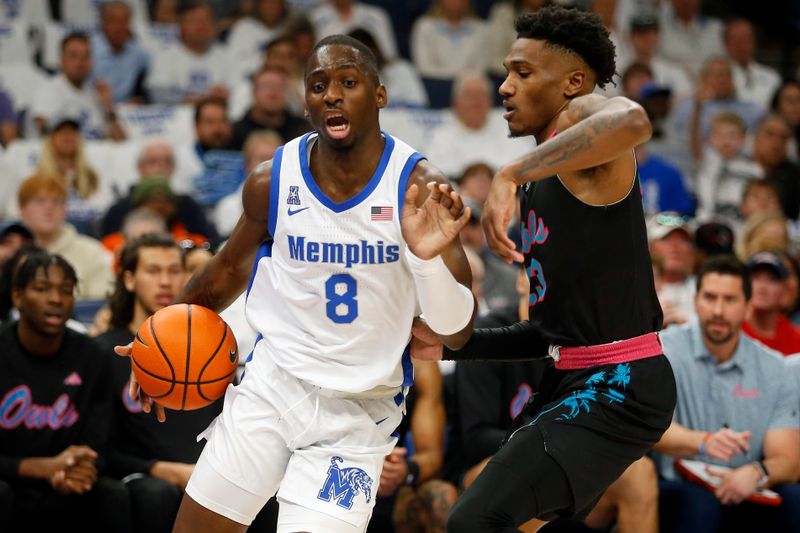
(29, 265)
(366, 58)
(120, 303)
(74, 36)
(729, 117)
(573, 31)
(726, 265)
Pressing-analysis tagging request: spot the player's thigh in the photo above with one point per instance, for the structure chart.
(245, 455)
(294, 518)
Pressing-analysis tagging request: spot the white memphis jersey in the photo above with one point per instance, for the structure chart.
(332, 296)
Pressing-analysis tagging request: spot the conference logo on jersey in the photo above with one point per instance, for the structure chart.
(344, 484)
(294, 199)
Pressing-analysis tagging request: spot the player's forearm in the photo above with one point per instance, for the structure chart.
(518, 342)
(601, 137)
(680, 441)
(215, 285)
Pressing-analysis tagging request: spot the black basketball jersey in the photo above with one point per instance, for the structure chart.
(591, 279)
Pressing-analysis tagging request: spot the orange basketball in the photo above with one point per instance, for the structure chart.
(184, 356)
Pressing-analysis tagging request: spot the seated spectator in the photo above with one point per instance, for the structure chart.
(501, 35)
(343, 16)
(763, 231)
(754, 82)
(410, 497)
(260, 146)
(249, 35)
(724, 170)
(402, 82)
(475, 182)
(715, 94)
(119, 60)
(645, 36)
(270, 110)
(736, 407)
(56, 411)
(688, 37)
(72, 94)
(43, 209)
(497, 287)
(790, 299)
(473, 134)
(765, 320)
(448, 40)
(8, 119)
(13, 238)
(194, 67)
(662, 184)
(221, 169)
(282, 52)
(635, 79)
(63, 157)
(156, 165)
(759, 196)
(671, 241)
(770, 151)
(786, 103)
(156, 459)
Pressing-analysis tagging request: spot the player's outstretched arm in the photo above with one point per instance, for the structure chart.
(595, 141)
(225, 276)
(433, 215)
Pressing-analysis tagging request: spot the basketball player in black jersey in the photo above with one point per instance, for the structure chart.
(608, 393)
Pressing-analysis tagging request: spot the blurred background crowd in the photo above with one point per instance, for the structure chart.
(120, 119)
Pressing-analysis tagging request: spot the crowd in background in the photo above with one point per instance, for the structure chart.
(124, 119)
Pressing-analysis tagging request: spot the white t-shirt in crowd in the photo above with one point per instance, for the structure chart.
(441, 51)
(403, 84)
(178, 72)
(755, 83)
(690, 45)
(58, 98)
(374, 19)
(246, 43)
(453, 146)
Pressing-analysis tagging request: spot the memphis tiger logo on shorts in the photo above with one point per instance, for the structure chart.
(344, 484)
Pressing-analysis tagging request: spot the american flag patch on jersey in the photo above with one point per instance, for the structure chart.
(383, 212)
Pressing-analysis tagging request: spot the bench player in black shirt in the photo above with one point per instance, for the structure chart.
(608, 394)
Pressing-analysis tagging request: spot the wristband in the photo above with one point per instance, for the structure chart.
(706, 437)
(413, 472)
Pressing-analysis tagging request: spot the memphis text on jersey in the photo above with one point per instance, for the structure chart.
(348, 255)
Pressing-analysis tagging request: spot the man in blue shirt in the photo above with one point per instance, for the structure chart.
(737, 407)
(118, 59)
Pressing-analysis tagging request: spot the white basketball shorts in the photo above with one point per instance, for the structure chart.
(319, 452)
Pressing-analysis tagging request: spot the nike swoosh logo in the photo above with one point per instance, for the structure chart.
(297, 210)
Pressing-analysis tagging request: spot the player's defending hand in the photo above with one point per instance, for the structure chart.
(428, 229)
(498, 209)
(425, 344)
(135, 391)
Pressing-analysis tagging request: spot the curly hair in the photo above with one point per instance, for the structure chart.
(574, 31)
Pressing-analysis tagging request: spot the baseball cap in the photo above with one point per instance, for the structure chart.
(768, 261)
(644, 19)
(714, 238)
(662, 224)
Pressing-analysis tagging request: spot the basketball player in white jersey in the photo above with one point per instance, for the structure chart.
(353, 234)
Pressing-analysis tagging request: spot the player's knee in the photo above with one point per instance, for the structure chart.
(641, 482)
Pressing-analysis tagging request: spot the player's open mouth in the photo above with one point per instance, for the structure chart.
(164, 299)
(509, 111)
(338, 127)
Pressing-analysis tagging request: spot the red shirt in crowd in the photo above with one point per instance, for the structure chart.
(786, 339)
